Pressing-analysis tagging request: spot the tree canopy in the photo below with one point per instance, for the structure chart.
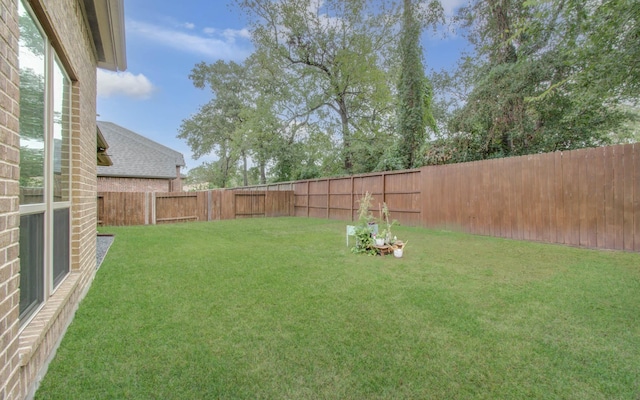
(339, 87)
(536, 82)
(414, 92)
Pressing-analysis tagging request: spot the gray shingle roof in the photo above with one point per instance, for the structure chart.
(135, 156)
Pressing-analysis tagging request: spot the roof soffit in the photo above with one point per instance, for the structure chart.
(105, 19)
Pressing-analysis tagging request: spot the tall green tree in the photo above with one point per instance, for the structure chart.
(602, 41)
(414, 91)
(334, 51)
(217, 126)
(275, 120)
(524, 91)
(254, 118)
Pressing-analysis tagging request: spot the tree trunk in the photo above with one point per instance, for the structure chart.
(346, 136)
(506, 52)
(263, 173)
(245, 175)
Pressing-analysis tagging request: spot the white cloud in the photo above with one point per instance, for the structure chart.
(189, 25)
(229, 35)
(232, 34)
(447, 30)
(123, 83)
(451, 6)
(224, 47)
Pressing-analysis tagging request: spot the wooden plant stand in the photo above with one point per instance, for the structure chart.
(388, 249)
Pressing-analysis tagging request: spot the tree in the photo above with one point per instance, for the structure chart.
(495, 108)
(205, 176)
(217, 126)
(524, 95)
(260, 127)
(274, 119)
(257, 116)
(603, 43)
(414, 92)
(333, 51)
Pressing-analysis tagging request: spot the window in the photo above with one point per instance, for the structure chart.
(44, 167)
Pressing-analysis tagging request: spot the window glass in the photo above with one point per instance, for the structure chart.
(31, 262)
(32, 106)
(61, 129)
(60, 245)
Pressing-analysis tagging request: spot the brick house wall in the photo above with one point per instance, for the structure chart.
(116, 184)
(125, 184)
(9, 202)
(26, 350)
(176, 184)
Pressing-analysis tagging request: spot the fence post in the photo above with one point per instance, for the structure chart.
(351, 210)
(146, 208)
(153, 208)
(208, 205)
(308, 197)
(328, 197)
(384, 188)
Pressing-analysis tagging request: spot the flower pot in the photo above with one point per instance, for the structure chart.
(397, 253)
(379, 241)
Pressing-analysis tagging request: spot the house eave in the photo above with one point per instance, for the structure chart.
(106, 24)
(103, 158)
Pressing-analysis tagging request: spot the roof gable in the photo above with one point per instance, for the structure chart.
(136, 156)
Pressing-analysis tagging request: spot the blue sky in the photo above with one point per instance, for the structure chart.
(165, 39)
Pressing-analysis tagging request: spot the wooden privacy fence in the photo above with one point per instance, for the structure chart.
(137, 208)
(338, 198)
(588, 198)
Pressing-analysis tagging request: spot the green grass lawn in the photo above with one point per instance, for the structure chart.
(281, 309)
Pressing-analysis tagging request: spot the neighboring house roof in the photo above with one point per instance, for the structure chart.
(106, 24)
(135, 156)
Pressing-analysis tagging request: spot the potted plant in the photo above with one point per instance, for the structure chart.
(379, 239)
(385, 221)
(366, 228)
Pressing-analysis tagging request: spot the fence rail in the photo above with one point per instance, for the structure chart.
(588, 198)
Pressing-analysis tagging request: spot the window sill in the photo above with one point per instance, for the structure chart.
(35, 331)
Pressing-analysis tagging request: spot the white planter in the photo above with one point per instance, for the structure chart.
(379, 241)
(397, 253)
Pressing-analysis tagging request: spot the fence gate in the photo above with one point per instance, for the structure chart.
(250, 204)
(177, 207)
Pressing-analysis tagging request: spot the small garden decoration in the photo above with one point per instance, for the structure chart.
(365, 230)
(386, 232)
(368, 239)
